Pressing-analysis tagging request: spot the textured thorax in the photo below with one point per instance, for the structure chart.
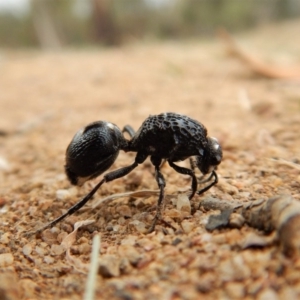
(170, 134)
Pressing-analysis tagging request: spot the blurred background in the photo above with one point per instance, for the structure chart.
(50, 24)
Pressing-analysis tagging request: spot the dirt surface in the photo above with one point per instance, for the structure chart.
(46, 97)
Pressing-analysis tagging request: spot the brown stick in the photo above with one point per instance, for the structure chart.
(255, 64)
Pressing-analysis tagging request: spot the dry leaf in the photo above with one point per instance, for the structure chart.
(69, 240)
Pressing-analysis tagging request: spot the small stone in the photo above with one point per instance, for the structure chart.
(234, 269)
(148, 244)
(125, 266)
(236, 220)
(131, 253)
(82, 240)
(139, 226)
(267, 294)
(109, 227)
(109, 266)
(258, 187)
(183, 203)
(121, 221)
(40, 251)
(187, 226)
(174, 214)
(235, 290)
(116, 228)
(206, 283)
(129, 240)
(124, 211)
(227, 188)
(84, 248)
(5, 238)
(4, 165)
(27, 249)
(57, 250)
(49, 237)
(6, 259)
(49, 260)
(63, 195)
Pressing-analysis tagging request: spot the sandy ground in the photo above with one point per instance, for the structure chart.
(46, 97)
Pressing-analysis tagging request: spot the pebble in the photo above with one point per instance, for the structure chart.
(49, 237)
(129, 240)
(84, 248)
(139, 226)
(63, 195)
(6, 259)
(267, 294)
(148, 244)
(206, 283)
(109, 266)
(5, 238)
(183, 203)
(131, 253)
(125, 266)
(236, 220)
(49, 260)
(234, 269)
(4, 165)
(174, 214)
(57, 250)
(187, 226)
(235, 290)
(124, 211)
(27, 249)
(40, 251)
(227, 188)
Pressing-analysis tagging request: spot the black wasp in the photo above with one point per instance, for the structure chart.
(167, 137)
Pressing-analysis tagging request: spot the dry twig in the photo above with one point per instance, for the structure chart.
(281, 213)
(255, 64)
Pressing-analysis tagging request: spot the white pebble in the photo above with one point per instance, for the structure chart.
(4, 165)
(183, 203)
(6, 259)
(27, 249)
(187, 226)
(63, 195)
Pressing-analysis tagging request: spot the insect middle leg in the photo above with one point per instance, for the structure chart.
(189, 172)
(161, 184)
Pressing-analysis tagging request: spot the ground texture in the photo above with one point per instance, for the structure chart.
(46, 97)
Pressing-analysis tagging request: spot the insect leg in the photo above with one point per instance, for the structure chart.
(107, 177)
(129, 130)
(214, 174)
(161, 184)
(186, 171)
